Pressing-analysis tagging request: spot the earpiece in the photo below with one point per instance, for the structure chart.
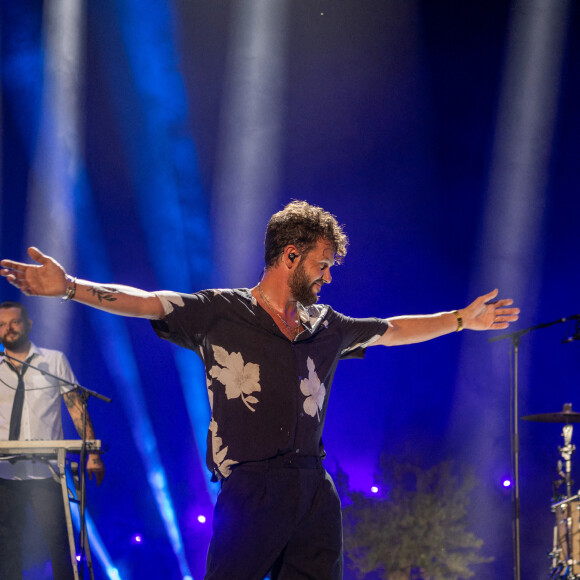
(292, 256)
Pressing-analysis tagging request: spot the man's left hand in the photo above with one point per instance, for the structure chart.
(484, 313)
(96, 467)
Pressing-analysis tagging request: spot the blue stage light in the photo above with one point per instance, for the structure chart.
(120, 359)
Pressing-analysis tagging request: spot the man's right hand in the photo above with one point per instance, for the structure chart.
(48, 278)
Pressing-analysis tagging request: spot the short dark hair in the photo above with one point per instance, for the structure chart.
(10, 304)
(302, 224)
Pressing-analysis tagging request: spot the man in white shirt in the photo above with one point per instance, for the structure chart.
(30, 409)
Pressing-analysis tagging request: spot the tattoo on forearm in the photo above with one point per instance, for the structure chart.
(78, 423)
(103, 293)
(73, 403)
(96, 459)
(69, 399)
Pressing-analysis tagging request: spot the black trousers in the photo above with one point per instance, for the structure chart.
(282, 520)
(45, 497)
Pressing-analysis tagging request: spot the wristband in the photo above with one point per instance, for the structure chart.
(459, 321)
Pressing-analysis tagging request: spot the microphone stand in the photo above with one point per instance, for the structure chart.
(83, 539)
(84, 396)
(515, 339)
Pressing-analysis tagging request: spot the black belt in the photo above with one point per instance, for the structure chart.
(288, 460)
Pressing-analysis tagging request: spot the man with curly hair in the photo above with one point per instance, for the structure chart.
(270, 353)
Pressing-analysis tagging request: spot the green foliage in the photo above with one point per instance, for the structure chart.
(420, 525)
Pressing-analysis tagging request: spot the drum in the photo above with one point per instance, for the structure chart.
(567, 535)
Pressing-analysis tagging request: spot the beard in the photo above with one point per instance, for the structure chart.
(16, 341)
(301, 288)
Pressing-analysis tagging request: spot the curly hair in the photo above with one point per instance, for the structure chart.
(303, 225)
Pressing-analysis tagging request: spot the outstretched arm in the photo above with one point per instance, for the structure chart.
(95, 465)
(48, 278)
(484, 313)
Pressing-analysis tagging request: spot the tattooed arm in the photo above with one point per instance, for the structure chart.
(95, 465)
(48, 278)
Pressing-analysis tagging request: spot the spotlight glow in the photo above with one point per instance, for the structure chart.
(201, 519)
(375, 489)
(506, 483)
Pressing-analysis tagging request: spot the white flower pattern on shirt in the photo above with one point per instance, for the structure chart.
(169, 300)
(224, 317)
(240, 380)
(313, 390)
(219, 454)
(364, 344)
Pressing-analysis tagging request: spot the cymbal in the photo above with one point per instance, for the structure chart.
(566, 415)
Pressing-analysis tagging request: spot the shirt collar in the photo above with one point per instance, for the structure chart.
(312, 316)
(33, 350)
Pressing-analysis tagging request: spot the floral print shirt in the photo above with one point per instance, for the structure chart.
(268, 395)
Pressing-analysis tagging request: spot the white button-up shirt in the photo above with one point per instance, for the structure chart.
(41, 413)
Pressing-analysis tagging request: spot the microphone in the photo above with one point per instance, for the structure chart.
(575, 317)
